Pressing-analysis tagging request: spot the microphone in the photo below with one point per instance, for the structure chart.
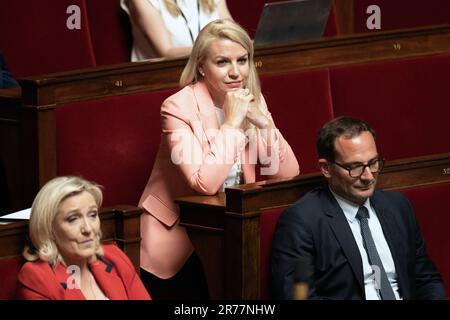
(302, 274)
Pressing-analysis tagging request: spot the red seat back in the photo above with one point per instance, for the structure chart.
(9, 269)
(432, 210)
(400, 14)
(111, 141)
(110, 31)
(406, 100)
(35, 39)
(300, 104)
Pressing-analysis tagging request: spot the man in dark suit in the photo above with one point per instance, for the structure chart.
(362, 243)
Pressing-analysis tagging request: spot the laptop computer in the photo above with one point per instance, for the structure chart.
(292, 21)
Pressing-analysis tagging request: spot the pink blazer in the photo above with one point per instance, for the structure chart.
(192, 137)
(114, 273)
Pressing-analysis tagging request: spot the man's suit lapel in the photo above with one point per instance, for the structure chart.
(392, 232)
(344, 235)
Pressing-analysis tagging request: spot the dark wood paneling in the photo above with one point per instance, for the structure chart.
(10, 164)
(162, 74)
(354, 49)
(38, 139)
(10, 150)
(95, 83)
(345, 16)
(205, 221)
(241, 271)
(210, 246)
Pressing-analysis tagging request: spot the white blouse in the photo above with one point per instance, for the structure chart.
(176, 26)
(231, 177)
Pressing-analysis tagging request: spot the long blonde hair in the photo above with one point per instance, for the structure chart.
(44, 210)
(222, 29)
(207, 6)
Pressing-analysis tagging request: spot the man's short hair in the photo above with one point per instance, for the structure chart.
(346, 126)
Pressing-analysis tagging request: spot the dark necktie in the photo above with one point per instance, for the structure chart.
(383, 286)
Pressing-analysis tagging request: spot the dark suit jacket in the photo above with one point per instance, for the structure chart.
(316, 227)
(114, 273)
(6, 80)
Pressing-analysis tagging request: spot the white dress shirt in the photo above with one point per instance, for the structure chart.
(350, 211)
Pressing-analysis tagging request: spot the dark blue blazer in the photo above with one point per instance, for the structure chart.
(316, 227)
(6, 80)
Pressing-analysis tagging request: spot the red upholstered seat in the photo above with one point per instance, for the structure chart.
(401, 14)
(110, 31)
(300, 104)
(35, 39)
(432, 210)
(9, 269)
(247, 14)
(405, 101)
(111, 141)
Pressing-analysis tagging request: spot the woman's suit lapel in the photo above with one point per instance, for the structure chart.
(206, 113)
(105, 276)
(108, 280)
(210, 124)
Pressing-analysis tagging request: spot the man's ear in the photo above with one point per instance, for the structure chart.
(324, 167)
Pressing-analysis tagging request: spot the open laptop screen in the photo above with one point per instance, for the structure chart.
(292, 21)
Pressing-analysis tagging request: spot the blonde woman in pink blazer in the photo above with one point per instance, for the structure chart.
(214, 131)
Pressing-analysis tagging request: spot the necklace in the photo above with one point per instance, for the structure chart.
(186, 21)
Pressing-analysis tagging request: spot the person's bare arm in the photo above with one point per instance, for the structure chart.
(222, 8)
(149, 20)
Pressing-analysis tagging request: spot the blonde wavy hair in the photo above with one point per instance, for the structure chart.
(207, 6)
(44, 210)
(222, 29)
